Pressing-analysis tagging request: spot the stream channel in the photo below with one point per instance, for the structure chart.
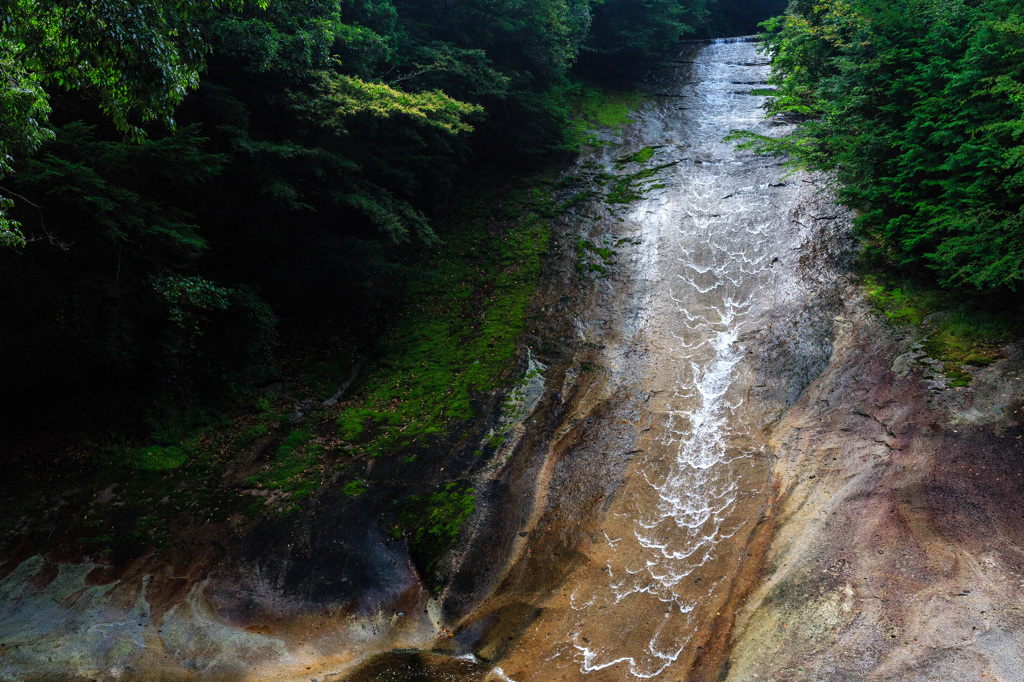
(646, 531)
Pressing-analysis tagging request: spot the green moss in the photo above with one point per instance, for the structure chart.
(298, 467)
(148, 488)
(250, 435)
(568, 180)
(591, 105)
(574, 200)
(967, 328)
(158, 458)
(152, 528)
(295, 439)
(460, 337)
(354, 488)
(265, 402)
(607, 107)
(433, 521)
(966, 333)
(968, 336)
(626, 189)
(152, 490)
(353, 421)
(642, 156)
(586, 252)
(954, 371)
(98, 539)
(903, 301)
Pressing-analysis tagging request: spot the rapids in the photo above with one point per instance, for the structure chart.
(720, 230)
(720, 235)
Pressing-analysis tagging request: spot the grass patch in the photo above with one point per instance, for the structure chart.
(460, 337)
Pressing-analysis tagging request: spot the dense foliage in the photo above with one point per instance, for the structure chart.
(741, 17)
(918, 107)
(175, 176)
(137, 60)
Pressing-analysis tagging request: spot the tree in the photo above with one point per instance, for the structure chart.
(137, 59)
(642, 29)
(916, 108)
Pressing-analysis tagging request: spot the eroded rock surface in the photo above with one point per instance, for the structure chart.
(898, 552)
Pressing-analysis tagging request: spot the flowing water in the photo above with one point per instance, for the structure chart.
(719, 238)
(719, 227)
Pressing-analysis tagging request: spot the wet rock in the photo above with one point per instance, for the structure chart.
(904, 508)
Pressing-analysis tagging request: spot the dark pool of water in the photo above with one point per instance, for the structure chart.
(419, 667)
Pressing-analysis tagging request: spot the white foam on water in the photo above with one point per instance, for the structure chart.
(501, 675)
(720, 233)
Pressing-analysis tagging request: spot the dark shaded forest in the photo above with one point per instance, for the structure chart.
(186, 186)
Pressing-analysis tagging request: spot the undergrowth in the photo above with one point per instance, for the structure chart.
(459, 337)
(959, 330)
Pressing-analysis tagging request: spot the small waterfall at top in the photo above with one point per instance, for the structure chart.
(734, 39)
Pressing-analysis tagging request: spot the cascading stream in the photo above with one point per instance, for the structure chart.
(719, 229)
(655, 557)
